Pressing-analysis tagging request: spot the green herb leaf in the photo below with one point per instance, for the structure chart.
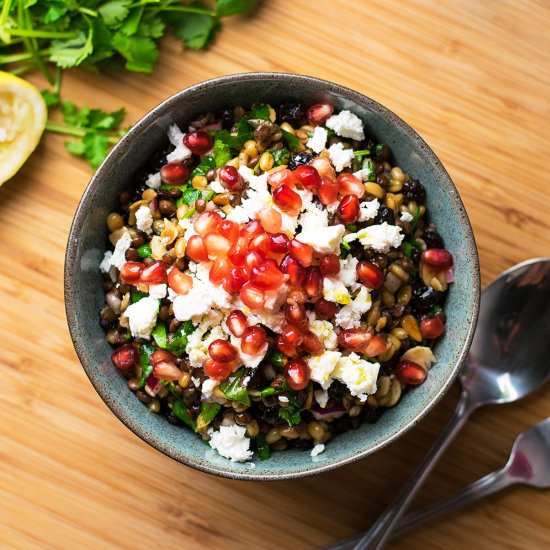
(145, 351)
(291, 140)
(51, 98)
(258, 110)
(145, 251)
(115, 11)
(209, 195)
(190, 195)
(159, 334)
(233, 389)
(362, 153)
(264, 452)
(407, 250)
(205, 164)
(137, 295)
(244, 131)
(207, 414)
(140, 52)
(233, 7)
(368, 165)
(221, 153)
(178, 408)
(72, 52)
(291, 414)
(278, 359)
(177, 342)
(96, 148)
(282, 156)
(196, 30)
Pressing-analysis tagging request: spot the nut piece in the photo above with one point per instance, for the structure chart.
(420, 355)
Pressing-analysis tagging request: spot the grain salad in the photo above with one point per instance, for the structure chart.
(273, 279)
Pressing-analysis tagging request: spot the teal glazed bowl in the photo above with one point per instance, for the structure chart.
(87, 242)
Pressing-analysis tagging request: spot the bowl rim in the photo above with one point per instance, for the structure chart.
(71, 270)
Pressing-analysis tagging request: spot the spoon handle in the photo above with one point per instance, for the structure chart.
(377, 535)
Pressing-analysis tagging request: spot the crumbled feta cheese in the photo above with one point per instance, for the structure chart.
(318, 140)
(118, 259)
(196, 381)
(357, 374)
(181, 152)
(197, 342)
(368, 210)
(325, 332)
(306, 196)
(406, 217)
(322, 366)
(157, 291)
(348, 272)
(313, 218)
(238, 215)
(363, 174)
(142, 317)
(153, 181)
(144, 219)
(276, 298)
(283, 399)
(340, 157)
(231, 442)
(189, 226)
(317, 450)
(347, 124)
(172, 294)
(217, 187)
(288, 222)
(334, 290)
(273, 320)
(105, 264)
(323, 239)
(208, 387)
(321, 396)
(350, 316)
(378, 237)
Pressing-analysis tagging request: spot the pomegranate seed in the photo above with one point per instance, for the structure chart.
(198, 142)
(253, 340)
(161, 355)
(266, 276)
(174, 173)
(370, 275)
(437, 258)
(237, 252)
(236, 323)
(154, 274)
(308, 177)
(295, 314)
(296, 374)
(207, 222)
(221, 269)
(237, 278)
(251, 296)
(260, 243)
(166, 370)
(292, 335)
(408, 372)
(376, 346)
(270, 219)
(196, 250)
(217, 370)
(216, 245)
(348, 184)
(432, 328)
(130, 272)
(278, 243)
(222, 351)
(230, 178)
(323, 166)
(252, 229)
(295, 271)
(179, 282)
(125, 357)
(230, 230)
(287, 199)
(281, 177)
(325, 309)
(301, 252)
(286, 349)
(328, 192)
(354, 339)
(319, 113)
(253, 259)
(311, 343)
(329, 264)
(313, 284)
(348, 210)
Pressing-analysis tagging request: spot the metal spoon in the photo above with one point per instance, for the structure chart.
(507, 361)
(529, 464)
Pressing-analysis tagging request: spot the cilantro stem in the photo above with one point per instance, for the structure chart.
(183, 9)
(15, 57)
(361, 153)
(5, 34)
(41, 34)
(68, 130)
(23, 69)
(88, 11)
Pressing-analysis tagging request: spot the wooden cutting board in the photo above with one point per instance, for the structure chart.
(474, 79)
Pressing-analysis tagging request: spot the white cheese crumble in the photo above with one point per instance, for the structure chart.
(318, 140)
(323, 239)
(313, 218)
(378, 237)
(334, 290)
(350, 316)
(144, 219)
(406, 217)
(273, 320)
(181, 152)
(317, 450)
(357, 374)
(362, 174)
(105, 264)
(118, 259)
(142, 317)
(231, 442)
(208, 387)
(276, 298)
(368, 210)
(153, 181)
(249, 361)
(197, 347)
(321, 396)
(348, 272)
(347, 124)
(157, 291)
(322, 366)
(340, 157)
(324, 330)
(217, 187)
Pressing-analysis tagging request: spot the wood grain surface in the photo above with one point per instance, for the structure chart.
(473, 78)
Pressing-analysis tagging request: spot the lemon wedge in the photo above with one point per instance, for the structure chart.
(23, 115)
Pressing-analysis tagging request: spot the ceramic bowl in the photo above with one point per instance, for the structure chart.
(87, 244)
